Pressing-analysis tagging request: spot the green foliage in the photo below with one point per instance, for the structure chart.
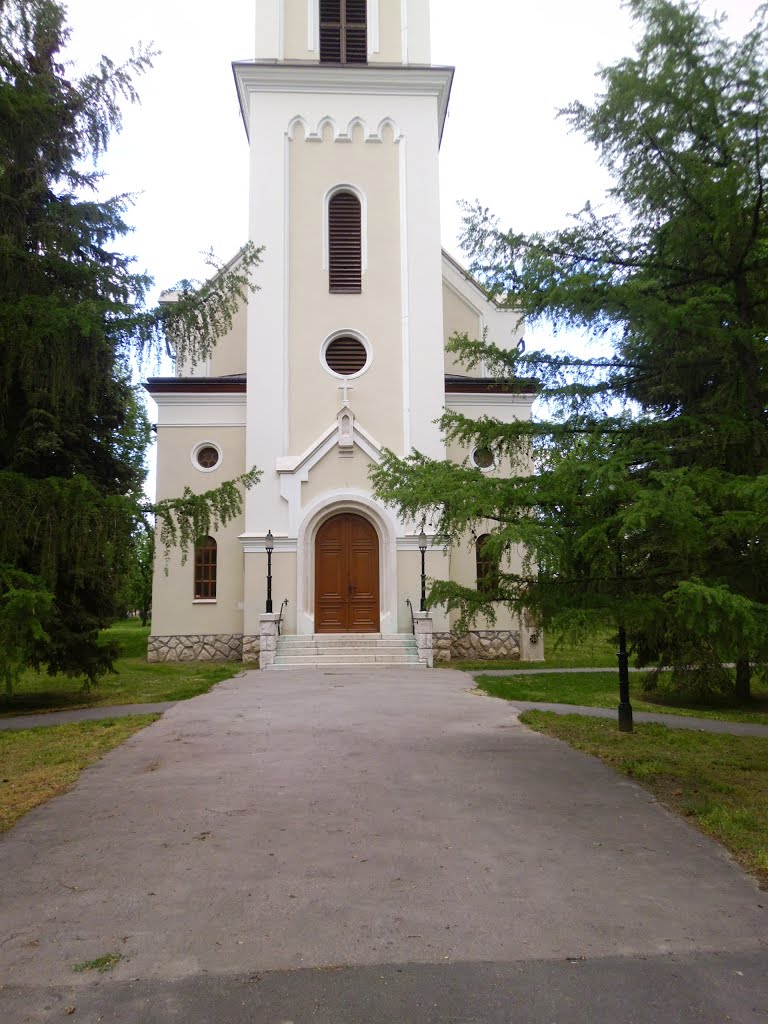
(134, 681)
(73, 431)
(138, 593)
(648, 506)
(182, 520)
(25, 606)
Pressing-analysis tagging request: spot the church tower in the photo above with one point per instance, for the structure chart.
(339, 353)
(344, 115)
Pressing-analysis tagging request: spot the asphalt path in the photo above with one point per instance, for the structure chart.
(339, 847)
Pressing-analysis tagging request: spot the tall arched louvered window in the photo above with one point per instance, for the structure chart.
(205, 569)
(345, 243)
(343, 32)
(487, 568)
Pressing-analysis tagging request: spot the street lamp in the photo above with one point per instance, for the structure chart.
(625, 708)
(423, 550)
(269, 544)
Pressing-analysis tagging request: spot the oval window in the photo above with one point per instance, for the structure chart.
(346, 356)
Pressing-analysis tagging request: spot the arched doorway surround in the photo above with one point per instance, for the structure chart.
(386, 527)
(347, 575)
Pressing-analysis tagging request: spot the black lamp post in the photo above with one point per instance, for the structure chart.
(423, 550)
(269, 544)
(625, 708)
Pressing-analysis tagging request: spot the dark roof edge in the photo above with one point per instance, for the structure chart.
(233, 384)
(455, 385)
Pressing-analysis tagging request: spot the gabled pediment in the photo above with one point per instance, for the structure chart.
(345, 433)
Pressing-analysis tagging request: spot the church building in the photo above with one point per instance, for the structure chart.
(338, 354)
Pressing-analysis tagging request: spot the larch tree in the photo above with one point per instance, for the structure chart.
(647, 506)
(73, 432)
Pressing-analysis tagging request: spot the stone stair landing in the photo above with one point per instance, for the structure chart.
(372, 650)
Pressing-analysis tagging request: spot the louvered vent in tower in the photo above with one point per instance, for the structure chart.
(345, 263)
(346, 356)
(343, 32)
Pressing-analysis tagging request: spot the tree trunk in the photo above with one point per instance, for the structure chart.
(743, 673)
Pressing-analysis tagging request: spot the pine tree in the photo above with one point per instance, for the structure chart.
(72, 314)
(648, 507)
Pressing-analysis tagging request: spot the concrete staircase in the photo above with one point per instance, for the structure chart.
(325, 650)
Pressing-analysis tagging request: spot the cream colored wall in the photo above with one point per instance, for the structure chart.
(389, 42)
(314, 314)
(174, 610)
(296, 31)
(390, 49)
(437, 565)
(459, 317)
(283, 586)
(229, 355)
(464, 571)
(335, 472)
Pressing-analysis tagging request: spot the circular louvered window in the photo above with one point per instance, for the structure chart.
(483, 459)
(206, 456)
(345, 356)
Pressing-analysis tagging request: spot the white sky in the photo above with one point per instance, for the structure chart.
(184, 149)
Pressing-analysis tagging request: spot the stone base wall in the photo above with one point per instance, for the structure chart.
(251, 647)
(221, 647)
(477, 645)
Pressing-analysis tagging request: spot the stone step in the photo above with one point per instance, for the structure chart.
(367, 665)
(326, 650)
(343, 637)
(335, 645)
(369, 656)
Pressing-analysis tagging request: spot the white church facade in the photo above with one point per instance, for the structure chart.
(339, 354)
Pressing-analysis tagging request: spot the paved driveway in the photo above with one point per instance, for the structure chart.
(336, 846)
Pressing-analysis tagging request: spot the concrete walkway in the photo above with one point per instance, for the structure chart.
(82, 715)
(671, 721)
(337, 847)
(122, 710)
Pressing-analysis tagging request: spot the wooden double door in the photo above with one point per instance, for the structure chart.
(347, 576)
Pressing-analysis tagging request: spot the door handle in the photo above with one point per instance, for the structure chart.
(350, 588)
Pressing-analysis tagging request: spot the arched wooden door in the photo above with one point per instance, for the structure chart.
(347, 576)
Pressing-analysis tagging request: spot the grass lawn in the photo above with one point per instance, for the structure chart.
(719, 782)
(601, 690)
(596, 652)
(137, 682)
(38, 764)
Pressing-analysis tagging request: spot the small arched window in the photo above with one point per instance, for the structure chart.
(487, 567)
(205, 569)
(345, 243)
(343, 32)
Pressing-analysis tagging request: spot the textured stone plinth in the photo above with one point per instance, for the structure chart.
(216, 647)
(477, 645)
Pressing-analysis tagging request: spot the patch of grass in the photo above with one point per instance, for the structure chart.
(101, 963)
(719, 782)
(598, 651)
(40, 763)
(601, 690)
(136, 682)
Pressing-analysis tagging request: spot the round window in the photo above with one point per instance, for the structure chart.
(346, 356)
(207, 457)
(483, 458)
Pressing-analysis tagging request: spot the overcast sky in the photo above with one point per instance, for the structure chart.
(184, 149)
(184, 152)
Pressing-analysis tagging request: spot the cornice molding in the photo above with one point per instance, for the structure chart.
(362, 79)
(488, 398)
(198, 398)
